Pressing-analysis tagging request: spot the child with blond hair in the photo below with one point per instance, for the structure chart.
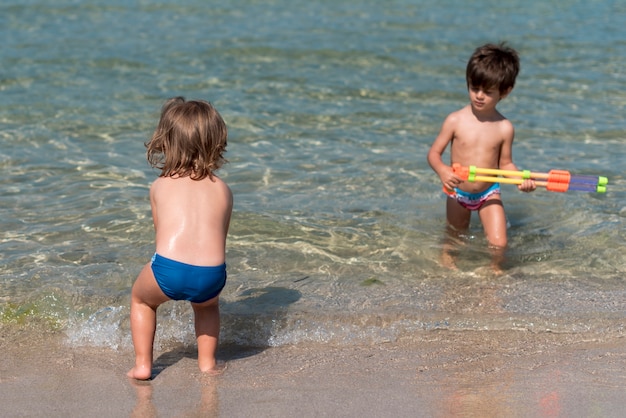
(191, 210)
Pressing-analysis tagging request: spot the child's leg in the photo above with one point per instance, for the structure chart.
(493, 219)
(458, 219)
(207, 324)
(145, 299)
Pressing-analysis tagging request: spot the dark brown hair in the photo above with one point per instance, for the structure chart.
(493, 66)
(190, 140)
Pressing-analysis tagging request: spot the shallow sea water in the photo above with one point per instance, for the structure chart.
(331, 108)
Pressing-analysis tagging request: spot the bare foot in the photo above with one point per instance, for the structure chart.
(140, 373)
(216, 370)
(447, 261)
(496, 268)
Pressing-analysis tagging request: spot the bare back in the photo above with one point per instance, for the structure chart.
(191, 219)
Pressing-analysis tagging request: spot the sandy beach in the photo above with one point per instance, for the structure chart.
(437, 374)
(337, 303)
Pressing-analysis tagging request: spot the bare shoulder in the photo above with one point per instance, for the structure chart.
(452, 123)
(218, 184)
(457, 116)
(216, 190)
(506, 127)
(461, 117)
(157, 185)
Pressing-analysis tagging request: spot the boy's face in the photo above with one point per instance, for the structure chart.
(485, 98)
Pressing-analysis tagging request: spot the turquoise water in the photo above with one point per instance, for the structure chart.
(331, 108)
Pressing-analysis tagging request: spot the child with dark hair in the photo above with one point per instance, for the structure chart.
(479, 135)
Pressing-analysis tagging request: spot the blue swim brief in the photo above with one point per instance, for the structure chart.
(473, 201)
(180, 281)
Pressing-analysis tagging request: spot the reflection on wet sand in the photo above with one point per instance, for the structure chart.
(207, 405)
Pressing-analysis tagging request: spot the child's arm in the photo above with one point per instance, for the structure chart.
(445, 172)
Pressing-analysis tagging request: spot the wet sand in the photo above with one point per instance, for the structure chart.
(436, 374)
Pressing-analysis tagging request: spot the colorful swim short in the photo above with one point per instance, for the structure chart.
(473, 201)
(180, 281)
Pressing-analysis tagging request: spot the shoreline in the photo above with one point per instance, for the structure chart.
(439, 373)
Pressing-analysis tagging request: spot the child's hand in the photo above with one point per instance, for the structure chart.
(527, 186)
(449, 179)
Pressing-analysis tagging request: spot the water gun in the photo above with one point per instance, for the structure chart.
(554, 181)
